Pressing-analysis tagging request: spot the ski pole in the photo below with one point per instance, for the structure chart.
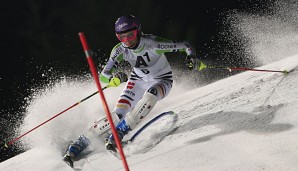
(204, 66)
(113, 83)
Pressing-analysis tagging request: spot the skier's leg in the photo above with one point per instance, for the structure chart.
(100, 128)
(144, 106)
(131, 94)
(157, 91)
(129, 97)
(154, 93)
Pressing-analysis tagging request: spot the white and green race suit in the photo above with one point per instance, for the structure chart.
(151, 70)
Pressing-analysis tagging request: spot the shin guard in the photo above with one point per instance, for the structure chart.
(143, 107)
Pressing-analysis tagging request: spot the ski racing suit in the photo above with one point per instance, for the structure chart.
(151, 74)
(150, 80)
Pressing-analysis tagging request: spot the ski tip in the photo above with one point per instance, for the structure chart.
(114, 153)
(67, 159)
(169, 112)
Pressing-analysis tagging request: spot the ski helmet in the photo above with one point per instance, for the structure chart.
(127, 23)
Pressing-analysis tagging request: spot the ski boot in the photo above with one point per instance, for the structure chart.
(75, 149)
(122, 129)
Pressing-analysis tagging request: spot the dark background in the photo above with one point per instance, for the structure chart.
(39, 42)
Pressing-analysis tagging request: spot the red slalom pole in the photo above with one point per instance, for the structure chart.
(103, 99)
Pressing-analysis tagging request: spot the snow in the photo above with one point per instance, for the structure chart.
(245, 122)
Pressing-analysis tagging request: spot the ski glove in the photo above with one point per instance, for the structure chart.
(121, 75)
(192, 62)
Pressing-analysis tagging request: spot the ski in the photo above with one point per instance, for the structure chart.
(140, 130)
(137, 133)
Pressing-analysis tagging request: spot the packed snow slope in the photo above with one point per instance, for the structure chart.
(248, 121)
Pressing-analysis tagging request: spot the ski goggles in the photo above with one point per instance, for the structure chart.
(128, 36)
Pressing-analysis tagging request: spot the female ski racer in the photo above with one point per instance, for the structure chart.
(150, 80)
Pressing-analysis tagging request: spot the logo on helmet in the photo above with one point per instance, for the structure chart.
(122, 25)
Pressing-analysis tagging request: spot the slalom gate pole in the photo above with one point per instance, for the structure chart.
(105, 105)
(204, 66)
(7, 144)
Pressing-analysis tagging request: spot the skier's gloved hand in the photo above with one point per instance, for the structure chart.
(3, 145)
(192, 62)
(121, 75)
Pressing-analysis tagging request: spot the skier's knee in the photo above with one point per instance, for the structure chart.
(152, 90)
(159, 90)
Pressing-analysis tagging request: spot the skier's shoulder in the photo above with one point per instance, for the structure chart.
(117, 47)
(154, 38)
(117, 51)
